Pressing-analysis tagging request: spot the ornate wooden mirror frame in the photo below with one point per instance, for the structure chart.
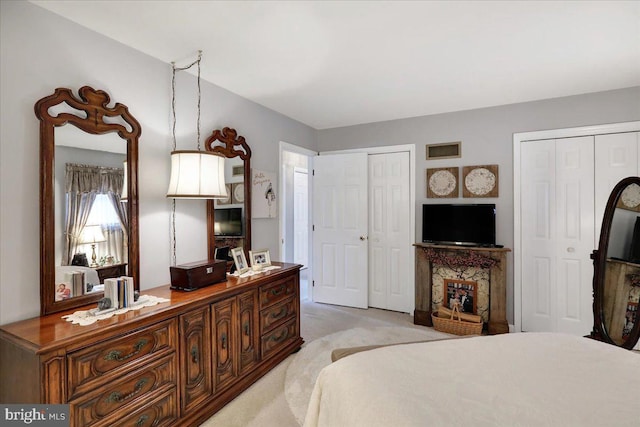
(89, 113)
(601, 258)
(227, 143)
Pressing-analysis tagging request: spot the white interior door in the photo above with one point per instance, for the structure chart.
(557, 235)
(538, 230)
(389, 232)
(300, 217)
(575, 234)
(617, 157)
(340, 229)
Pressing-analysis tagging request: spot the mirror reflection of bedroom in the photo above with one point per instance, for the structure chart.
(320, 214)
(91, 219)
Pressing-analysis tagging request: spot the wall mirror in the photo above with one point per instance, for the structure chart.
(616, 282)
(88, 157)
(229, 220)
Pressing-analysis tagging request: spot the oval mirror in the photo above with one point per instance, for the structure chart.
(617, 268)
(88, 162)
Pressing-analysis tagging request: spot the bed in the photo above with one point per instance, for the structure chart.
(525, 379)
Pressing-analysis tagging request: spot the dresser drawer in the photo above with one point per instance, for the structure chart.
(273, 341)
(158, 413)
(100, 363)
(277, 291)
(123, 393)
(273, 316)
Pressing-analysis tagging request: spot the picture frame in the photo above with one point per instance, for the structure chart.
(442, 182)
(464, 291)
(227, 200)
(480, 181)
(221, 252)
(240, 260)
(237, 192)
(260, 259)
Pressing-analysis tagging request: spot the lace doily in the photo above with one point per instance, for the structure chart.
(88, 317)
(253, 273)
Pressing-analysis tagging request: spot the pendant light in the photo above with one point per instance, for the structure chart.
(194, 174)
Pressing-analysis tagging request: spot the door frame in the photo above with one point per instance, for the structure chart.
(411, 148)
(518, 139)
(282, 147)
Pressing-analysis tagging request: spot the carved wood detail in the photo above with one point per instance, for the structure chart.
(229, 144)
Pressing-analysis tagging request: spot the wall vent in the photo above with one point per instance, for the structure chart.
(447, 150)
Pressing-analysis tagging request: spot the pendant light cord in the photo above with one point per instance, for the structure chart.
(173, 133)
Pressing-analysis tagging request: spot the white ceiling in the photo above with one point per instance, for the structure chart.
(339, 63)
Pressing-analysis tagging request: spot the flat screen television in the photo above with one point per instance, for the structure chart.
(228, 222)
(458, 224)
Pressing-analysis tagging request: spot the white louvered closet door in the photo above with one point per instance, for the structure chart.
(557, 235)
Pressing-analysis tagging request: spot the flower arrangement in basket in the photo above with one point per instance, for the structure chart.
(464, 324)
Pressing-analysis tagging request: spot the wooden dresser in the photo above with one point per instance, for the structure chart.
(175, 363)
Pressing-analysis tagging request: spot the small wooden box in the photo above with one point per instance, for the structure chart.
(196, 275)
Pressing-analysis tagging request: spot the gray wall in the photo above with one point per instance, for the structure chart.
(487, 138)
(41, 51)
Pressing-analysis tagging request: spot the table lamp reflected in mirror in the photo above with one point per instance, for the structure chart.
(92, 234)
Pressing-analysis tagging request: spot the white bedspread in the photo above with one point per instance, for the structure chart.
(527, 379)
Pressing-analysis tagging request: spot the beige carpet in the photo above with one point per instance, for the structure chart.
(279, 398)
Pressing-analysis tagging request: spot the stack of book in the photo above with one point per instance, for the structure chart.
(119, 291)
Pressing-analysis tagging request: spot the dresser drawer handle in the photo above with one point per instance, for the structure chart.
(143, 419)
(245, 327)
(194, 354)
(224, 341)
(280, 290)
(282, 336)
(282, 313)
(117, 354)
(118, 397)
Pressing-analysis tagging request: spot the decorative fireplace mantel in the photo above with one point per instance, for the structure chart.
(492, 259)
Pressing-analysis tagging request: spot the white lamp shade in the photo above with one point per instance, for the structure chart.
(125, 186)
(197, 175)
(92, 234)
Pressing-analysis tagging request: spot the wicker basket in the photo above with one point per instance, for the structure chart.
(456, 326)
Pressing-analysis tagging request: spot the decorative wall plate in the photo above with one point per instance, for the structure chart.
(442, 182)
(480, 181)
(238, 192)
(630, 198)
(228, 199)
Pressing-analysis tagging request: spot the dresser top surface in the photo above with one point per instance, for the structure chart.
(48, 332)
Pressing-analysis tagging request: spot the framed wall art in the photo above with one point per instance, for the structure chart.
(480, 181)
(442, 182)
(264, 202)
(237, 192)
(630, 198)
(226, 200)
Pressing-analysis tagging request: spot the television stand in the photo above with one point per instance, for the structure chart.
(493, 259)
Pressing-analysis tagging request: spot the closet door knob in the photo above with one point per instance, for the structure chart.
(363, 238)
